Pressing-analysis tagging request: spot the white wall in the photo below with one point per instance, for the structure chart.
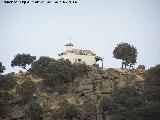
(69, 48)
(89, 60)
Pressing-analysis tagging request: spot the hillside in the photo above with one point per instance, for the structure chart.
(83, 95)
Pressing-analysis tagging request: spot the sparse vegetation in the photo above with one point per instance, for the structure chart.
(26, 90)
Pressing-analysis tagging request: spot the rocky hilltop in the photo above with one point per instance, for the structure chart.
(84, 92)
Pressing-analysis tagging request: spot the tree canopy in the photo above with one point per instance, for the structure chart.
(127, 53)
(123, 104)
(22, 60)
(7, 83)
(152, 93)
(57, 73)
(152, 83)
(2, 68)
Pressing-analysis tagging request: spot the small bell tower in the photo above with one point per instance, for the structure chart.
(69, 46)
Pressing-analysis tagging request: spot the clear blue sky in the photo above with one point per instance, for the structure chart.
(98, 25)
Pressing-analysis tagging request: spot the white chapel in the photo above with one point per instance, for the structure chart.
(79, 56)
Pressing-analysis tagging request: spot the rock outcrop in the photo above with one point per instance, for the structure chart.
(92, 87)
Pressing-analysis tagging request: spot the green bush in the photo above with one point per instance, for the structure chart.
(66, 111)
(89, 111)
(41, 67)
(152, 110)
(69, 111)
(56, 115)
(4, 98)
(152, 82)
(2, 68)
(130, 104)
(124, 104)
(108, 105)
(26, 90)
(35, 112)
(57, 73)
(152, 94)
(7, 83)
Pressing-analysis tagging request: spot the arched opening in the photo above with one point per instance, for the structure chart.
(99, 59)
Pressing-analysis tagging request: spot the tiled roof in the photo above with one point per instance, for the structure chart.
(79, 52)
(68, 44)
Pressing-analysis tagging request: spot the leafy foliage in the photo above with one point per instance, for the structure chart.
(152, 82)
(124, 104)
(152, 93)
(108, 105)
(2, 68)
(4, 98)
(34, 112)
(89, 111)
(66, 111)
(57, 73)
(153, 78)
(7, 83)
(126, 52)
(22, 60)
(152, 110)
(41, 67)
(26, 90)
(130, 104)
(69, 111)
